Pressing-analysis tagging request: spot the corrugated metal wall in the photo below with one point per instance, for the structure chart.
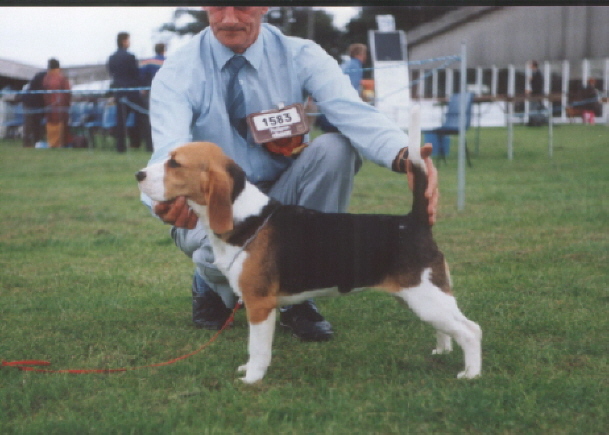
(516, 34)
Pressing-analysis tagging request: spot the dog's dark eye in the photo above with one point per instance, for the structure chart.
(172, 163)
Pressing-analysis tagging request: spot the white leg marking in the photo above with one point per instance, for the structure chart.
(259, 347)
(439, 309)
(444, 343)
(473, 364)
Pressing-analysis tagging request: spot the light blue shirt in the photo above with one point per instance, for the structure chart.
(187, 100)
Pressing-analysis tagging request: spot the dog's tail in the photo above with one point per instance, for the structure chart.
(420, 202)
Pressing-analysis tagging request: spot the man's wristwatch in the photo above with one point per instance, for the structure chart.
(399, 163)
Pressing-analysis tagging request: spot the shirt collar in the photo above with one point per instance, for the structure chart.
(253, 54)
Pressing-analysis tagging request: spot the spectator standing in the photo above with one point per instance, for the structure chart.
(354, 67)
(57, 105)
(536, 80)
(148, 69)
(124, 70)
(33, 106)
(537, 116)
(591, 105)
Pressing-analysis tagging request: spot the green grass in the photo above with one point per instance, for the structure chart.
(89, 279)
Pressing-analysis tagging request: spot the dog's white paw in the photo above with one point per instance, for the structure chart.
(468, 374)
(252, 374)
(444, 344)
(249, 381)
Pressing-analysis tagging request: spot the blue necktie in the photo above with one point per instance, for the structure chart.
(235, 102)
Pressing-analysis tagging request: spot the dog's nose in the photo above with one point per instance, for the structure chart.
(140, 176)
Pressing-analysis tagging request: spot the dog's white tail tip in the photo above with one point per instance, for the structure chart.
(414, 136)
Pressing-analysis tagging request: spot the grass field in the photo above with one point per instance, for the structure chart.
(88, 279)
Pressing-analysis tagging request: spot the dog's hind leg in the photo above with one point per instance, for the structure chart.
(261, 331)
(440, 309)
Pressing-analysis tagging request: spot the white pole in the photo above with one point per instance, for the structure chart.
(528, 72)
(549, 105)
(511, 91)
(550, 136)
(565, 88)
(494, 80)
(478, 81)
(585, 71)
(462, 109)
(421, 84)
(449, 83)
(547, 77)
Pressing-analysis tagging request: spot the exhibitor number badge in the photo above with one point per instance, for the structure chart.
(286, 122)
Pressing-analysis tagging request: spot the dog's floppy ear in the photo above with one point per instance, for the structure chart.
(217, 185)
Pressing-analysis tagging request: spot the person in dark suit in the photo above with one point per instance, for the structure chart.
(148, 69)
(124, 70)
(33, 103)
(538, 115)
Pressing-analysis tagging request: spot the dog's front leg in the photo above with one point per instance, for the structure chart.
(444, 343)
(260, 343)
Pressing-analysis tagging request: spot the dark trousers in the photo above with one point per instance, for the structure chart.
(141, 124)
(33, 130)
(147, 129)
(538, 116)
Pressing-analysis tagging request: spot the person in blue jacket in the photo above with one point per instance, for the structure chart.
(124, 70)
(148, 69)
(354, 67)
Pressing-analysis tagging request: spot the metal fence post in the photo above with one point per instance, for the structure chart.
(462, 151)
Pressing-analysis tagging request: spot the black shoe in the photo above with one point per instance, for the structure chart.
(305, 322)
(208, 309)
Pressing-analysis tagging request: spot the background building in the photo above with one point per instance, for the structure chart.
(516, 34)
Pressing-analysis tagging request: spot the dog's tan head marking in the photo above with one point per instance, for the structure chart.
(199, 171)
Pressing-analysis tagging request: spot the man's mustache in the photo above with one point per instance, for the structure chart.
(231, 28)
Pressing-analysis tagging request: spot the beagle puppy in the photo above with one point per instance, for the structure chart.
(274, 254)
